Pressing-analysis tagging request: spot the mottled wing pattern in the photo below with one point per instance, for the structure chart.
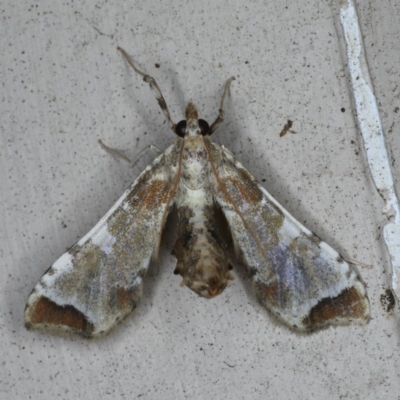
(100, 279)
(299, 278)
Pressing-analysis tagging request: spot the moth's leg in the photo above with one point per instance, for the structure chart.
(154, 88)
(143, 152)
(221, 115)
(113, 151)
(354, 262)
(124, 157)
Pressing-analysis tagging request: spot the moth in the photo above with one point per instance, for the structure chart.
(298, 278)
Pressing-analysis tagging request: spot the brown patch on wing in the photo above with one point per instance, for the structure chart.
(348, 305)
(46, 312)
(247, 188)
(125, 299)
(149, 194)
(270, 293)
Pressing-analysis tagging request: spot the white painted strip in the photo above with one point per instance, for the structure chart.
(371, 129)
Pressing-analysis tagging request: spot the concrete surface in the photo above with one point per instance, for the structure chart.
(64, 86)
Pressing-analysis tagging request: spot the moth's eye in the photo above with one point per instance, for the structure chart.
(180, 128)
(204, 127)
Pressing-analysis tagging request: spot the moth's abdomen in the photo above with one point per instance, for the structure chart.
(202, 259)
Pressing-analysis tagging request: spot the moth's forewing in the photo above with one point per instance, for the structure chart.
(100, 279)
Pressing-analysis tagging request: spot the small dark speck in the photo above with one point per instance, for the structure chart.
(396, 110)
(247, 62)
(157, 65)
(123, 116)
(388, 300)
(352, 141)
(145, 133)
(342, 109)
(42, 237)
(263, 180)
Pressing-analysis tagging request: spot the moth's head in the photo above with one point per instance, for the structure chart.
(192, 126)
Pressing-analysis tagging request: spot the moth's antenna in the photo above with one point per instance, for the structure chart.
(221, 115)
(153, 86)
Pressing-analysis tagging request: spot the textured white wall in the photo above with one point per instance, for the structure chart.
(64, 85)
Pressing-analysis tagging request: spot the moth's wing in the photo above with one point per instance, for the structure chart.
(100, 279)
(299, 278)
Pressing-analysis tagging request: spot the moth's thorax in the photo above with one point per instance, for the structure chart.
(195, 168)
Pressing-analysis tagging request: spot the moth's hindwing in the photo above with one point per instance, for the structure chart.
(296, 276)
(100, 279)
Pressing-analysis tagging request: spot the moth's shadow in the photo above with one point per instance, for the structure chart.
(239, 269)
(158, 269)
